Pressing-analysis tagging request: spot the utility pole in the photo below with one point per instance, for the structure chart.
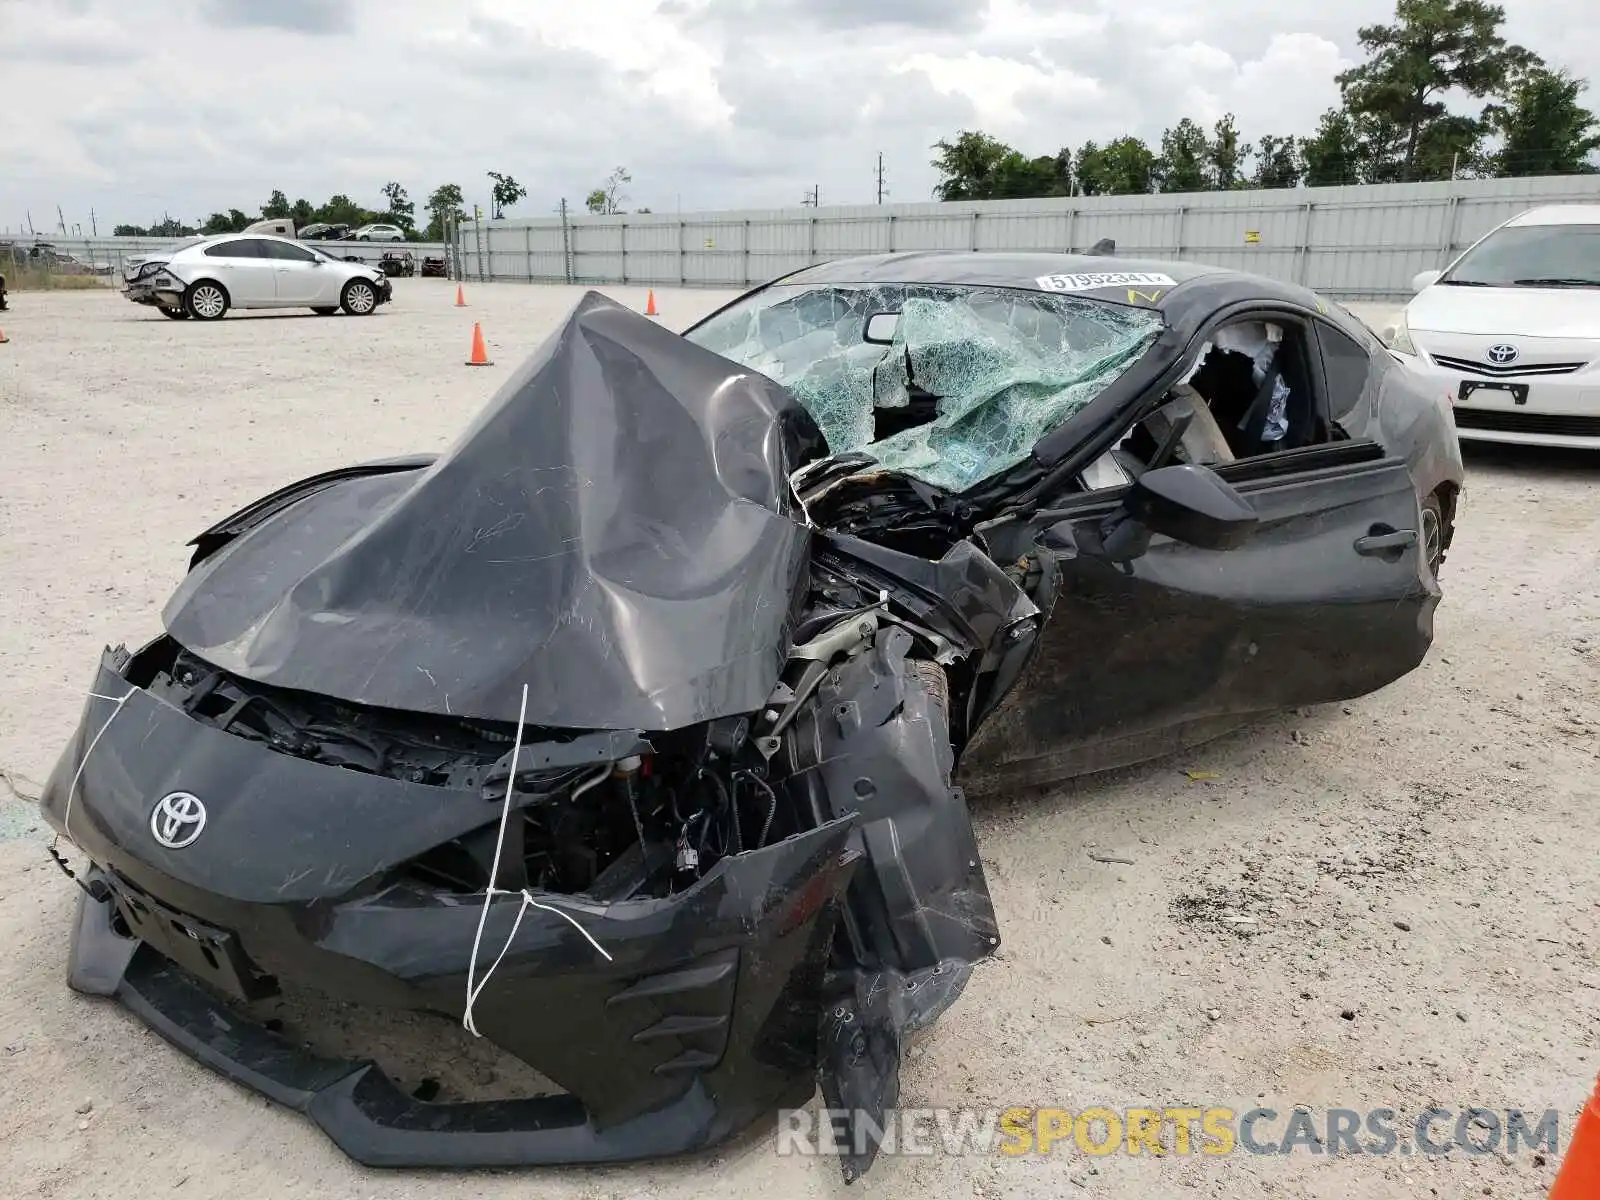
(32, 232)
(61, 217)
(566, 242)
(812, 198)
(93, 228)
(880, 177)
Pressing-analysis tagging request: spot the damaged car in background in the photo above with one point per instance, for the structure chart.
(631, 732)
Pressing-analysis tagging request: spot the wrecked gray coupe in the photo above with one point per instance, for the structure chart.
(627, 732)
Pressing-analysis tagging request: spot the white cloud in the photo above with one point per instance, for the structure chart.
(139, 107)
(994, 84)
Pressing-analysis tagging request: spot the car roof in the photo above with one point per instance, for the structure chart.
(1559, 214)
(1167, 285)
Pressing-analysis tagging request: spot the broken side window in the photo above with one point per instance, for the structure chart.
(997, 368)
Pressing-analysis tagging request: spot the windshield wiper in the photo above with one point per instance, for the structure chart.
(1465, 283)
(1558, 282)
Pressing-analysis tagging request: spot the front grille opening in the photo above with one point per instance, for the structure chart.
(1513, 421)
(1514, 370)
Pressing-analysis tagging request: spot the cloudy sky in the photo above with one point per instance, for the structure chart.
(135, 107)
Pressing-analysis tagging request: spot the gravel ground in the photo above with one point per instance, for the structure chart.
(1390, 903)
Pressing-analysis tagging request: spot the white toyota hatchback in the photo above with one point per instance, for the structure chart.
(203, 279)
(1511, 330)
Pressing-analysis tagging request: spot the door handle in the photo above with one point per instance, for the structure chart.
(1386, 541)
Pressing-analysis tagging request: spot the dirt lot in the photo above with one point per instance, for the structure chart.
(1391, 903)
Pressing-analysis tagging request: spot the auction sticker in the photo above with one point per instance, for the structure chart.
(1104, 279)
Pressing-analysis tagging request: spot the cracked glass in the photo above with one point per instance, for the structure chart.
(979, 374)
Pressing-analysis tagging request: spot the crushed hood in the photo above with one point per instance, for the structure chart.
(615, 530)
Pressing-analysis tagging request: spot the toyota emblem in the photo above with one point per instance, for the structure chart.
(179, 818)
(1502, 354)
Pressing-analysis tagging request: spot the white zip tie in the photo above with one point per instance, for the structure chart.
(72, 788)
(490, 891)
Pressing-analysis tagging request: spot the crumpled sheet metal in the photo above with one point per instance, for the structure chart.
(1008, 367)
(615, 529)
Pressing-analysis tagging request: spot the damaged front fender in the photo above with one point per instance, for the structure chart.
(917, 916)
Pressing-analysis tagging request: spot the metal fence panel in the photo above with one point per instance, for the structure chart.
(1353, 243)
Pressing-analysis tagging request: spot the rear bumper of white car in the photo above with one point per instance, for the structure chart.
(1547, 395)
(145, 292)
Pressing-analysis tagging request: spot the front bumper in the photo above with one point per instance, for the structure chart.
(705, 1018)
(356, 1104)
(1559, 410)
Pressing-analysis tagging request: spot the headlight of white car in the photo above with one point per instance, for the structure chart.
(1397, 337)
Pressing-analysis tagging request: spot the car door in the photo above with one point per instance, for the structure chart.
(250, 278)
(230, 263)
(300, 277)
(1328, 599)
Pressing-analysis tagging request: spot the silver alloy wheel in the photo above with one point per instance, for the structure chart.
(360, 298)
(208, 301)
(1432, 538)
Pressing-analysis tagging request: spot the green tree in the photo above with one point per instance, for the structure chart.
(1452, 147)
(506, 192)
(1185, 154)
(302, 213)
(608, 199)
(1435, 47)
(341, 210)
(401, 210)
(1544, 130)
(1019, 178)
(967, 166)
(1124, 167)
(277, 207)
(444, 206)
(1279, 163)
(1334, 154)
(1226, 154)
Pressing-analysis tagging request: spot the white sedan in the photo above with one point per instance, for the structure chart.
(379, 233)
(203, 279)
(1511, 330)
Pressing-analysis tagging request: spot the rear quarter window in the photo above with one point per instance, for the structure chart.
(1346, 365)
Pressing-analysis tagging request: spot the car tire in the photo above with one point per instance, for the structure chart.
(325, 312)
(177, 314)
(1435, 534)
(359, 298)
(206, 300)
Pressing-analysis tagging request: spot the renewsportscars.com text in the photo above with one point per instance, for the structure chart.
(1179, 1131)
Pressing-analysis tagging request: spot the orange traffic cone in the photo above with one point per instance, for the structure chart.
(3, 338)
(480, 356)
(461, 300)
(1580, 1172)
(650, 305)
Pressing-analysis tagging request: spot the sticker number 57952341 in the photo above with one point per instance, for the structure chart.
(1095, 280)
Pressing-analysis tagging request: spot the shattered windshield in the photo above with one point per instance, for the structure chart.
(955, 384)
